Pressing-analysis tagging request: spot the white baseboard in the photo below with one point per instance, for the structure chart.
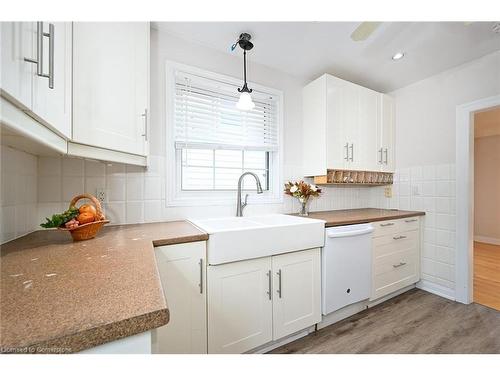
(485, 239)
(285, 340)
(437, 289)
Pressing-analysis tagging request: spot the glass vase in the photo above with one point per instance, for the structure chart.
(303, 207)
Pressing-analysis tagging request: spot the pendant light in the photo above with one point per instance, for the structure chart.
(245, 103)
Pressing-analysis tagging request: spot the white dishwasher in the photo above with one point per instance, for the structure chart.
(346, 263)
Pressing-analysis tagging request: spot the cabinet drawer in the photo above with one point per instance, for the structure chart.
(409, 223)
(396, 242)
(382, 228)
(394, 271)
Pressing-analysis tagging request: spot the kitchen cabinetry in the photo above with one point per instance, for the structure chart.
(297, 286)
(239, 306)
(183, 277)
(253, 302)
(344, 127)
(385, 134)
(396, 255)
(41, 86)
(111, 85)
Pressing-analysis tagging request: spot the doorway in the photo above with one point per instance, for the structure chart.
(486, 248)
(464, 269)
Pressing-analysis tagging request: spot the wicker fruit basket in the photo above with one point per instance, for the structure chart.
(88, 230)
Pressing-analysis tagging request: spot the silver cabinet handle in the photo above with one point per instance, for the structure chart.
(51, 36)
(279, 283)
(145, 115)
(386, 157)
(39, 50)
(346, 152)
(200, 263)
(411, 220)
(399, 237)
(386, 224)
(399, 265)
(269, 288)
(380, 159)
(352, 151)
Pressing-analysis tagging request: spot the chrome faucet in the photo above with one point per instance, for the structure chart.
(241, 205)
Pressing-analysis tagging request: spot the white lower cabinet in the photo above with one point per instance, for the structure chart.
(240, 307)
(182, 273)
(253, 302)
(297, 291)
(396, 255)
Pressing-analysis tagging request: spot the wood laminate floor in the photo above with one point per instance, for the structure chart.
(487, 274)
(413, 322)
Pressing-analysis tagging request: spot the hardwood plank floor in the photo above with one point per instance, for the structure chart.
(413, 322)
(487, 274)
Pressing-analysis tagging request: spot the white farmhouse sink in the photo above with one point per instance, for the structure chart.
(239, 238)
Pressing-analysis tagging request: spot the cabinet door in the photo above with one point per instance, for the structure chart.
(182, 273)
(340, 120)
(239, 306)
(17, 43)
(53, 105)
(297, 291)
(111, 85)
(366, 141)
(387, 133)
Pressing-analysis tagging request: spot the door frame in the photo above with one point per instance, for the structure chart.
(465, 194)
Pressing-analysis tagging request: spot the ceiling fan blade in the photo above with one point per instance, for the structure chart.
(364, 30)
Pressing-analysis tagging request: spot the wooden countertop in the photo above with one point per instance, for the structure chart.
(61, 296)
(360, 215)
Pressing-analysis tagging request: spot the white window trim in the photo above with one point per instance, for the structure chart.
(175, 196)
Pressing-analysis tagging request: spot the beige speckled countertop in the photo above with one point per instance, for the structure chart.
(63, 296)
(360, 215)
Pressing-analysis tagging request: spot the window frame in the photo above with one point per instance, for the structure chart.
(175, 196)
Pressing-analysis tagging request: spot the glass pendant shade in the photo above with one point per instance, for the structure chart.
(245, 103)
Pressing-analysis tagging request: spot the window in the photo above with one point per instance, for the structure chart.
(211, 143)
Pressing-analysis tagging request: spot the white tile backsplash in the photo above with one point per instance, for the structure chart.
(18, 192)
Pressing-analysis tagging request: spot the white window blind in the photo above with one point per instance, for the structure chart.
(206, 117)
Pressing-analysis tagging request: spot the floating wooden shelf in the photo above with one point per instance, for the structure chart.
(358, 178)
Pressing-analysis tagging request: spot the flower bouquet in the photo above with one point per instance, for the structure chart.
(302, 191)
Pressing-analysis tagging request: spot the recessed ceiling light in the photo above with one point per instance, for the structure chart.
(398, 56)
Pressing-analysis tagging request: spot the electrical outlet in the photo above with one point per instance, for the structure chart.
(101, 195)
(388, 191)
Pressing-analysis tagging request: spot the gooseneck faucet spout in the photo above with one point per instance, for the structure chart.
(241, 205)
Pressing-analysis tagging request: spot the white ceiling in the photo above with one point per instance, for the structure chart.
(308, 49)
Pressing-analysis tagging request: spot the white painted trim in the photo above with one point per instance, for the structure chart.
(175, 198)
(437, 289)
(99, 153)
(485, 239)
(136, 344)
(285, 340)
(21, 123)
(465, 194)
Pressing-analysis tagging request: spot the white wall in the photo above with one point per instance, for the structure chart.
(425, 145)
(18, 192)
(425, 111)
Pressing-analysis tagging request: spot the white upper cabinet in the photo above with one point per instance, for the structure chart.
(342, 127)
(111, 85)
(52, 94)
(36, 71)
(385, 150)
(16, 73)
